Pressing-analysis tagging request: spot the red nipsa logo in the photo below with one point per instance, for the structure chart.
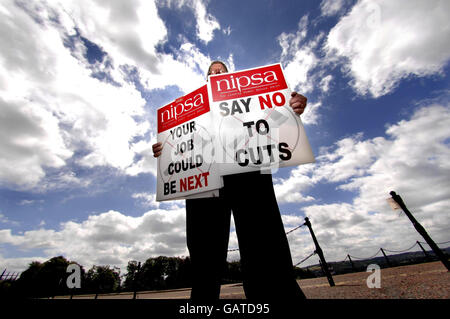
(183, 109)
(245, 83)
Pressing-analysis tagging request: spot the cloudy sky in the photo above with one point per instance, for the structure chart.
(80, 82)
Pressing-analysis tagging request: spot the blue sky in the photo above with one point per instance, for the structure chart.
(80, 82)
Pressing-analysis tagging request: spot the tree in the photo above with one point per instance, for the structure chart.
(158, 273)
(28, 283)
(53, 276)
(44, 279)
(102, 279)
(131, 278)
(303, 274)
(153, 272)
(183, 273)
(233, 272)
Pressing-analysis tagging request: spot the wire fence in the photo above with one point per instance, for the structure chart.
(354, 257)
(287, 233)
(304, 259)
(351, 256)
(9, 276)
(394, 251)
(356, 263)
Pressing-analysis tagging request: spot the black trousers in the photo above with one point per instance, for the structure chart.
(265, 256)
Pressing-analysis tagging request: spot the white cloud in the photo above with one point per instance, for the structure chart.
(385, 41)
(290, 190)
(52, 106)
(230, 63)
(206, 23)
(30, 202)
(298, 57)
(104, 236)
(147, 199)
(19, 264)
(325, 83)
(311, 114)
(127, 31)
(6, 220)
(351, 158)
(147, 163)
(30, 139)
(56, 113)
(297, 70)
(412, 160)
(302, 67)
(133, 41)
(332, 7)
(227, 30)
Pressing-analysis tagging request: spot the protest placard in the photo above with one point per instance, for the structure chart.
(255, 128)
(185, 167)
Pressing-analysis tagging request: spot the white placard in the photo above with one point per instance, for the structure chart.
(255, 128)
(186, 165)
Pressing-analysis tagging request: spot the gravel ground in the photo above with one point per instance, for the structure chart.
(421, 281)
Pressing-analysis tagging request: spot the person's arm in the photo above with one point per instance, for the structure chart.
(298, 102)
(157, 149)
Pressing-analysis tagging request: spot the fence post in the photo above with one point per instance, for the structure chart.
(385, 257)
(1, 276)
(135, 279)
(421, 230)
(351, 262)
(427, 257)
(320, 253)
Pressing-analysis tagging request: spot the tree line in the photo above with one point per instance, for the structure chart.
(49, 278)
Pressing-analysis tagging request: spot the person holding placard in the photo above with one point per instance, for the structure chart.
(266, 261)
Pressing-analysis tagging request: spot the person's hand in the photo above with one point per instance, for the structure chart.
(298, 102)
(157, 149)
